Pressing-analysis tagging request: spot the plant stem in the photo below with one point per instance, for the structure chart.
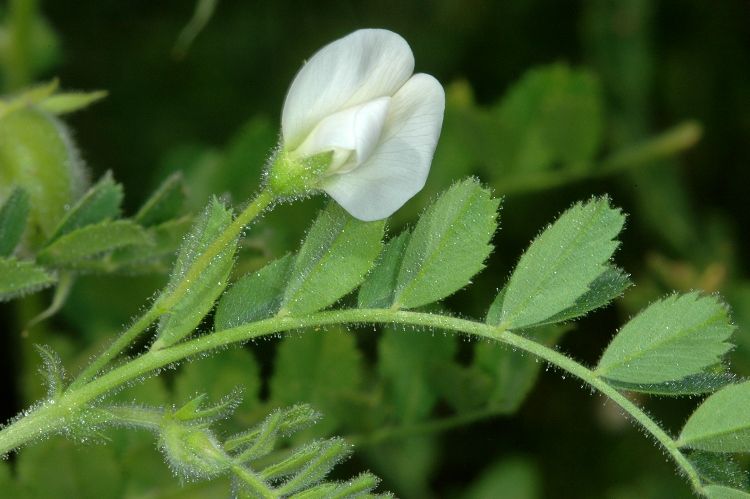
(166, 302)
(28, 428)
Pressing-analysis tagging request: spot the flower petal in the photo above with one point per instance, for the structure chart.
(351, 134)
(362, 66)
(398, 167)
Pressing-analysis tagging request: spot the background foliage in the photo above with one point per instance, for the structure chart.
(548, 102)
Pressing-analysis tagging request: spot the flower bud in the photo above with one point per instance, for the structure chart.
(357, 124)
(37, 153)
(193, 451)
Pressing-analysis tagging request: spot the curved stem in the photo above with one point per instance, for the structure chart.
(24, 430)
(166, 302)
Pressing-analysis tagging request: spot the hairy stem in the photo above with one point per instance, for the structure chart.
(166, 302)
(73, 401)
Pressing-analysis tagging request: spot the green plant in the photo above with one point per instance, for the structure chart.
(343, 275)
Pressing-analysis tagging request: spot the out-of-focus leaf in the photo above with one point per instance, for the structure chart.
(321, 368)
(552, 115)
(672, 339)
(14, 214)
(409, 365)
(18, 278)
(58, 468)
(512, 375)
(92, 241)
(514, 477)
(100, 203)
(406, 464)
(165, 203)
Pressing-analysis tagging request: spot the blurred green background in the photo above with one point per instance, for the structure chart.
(549, 102)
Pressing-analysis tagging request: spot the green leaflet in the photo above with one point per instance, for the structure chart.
(673, 338)
(92, 241)
(100, 203)
(409, 365)
(719, 468)
(165, 203)
(695, 384)
(448, 245)
(721, 423)
(722, 492)
(255, 296)
(322, 368)
(378, 289)
(188, 312)
(14, 214)
(337, 253)
(18, 278)
(560, 266)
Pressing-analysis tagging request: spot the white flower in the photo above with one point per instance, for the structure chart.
(357, 105)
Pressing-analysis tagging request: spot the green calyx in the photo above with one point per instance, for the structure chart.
(193, 451)
(290, 176)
